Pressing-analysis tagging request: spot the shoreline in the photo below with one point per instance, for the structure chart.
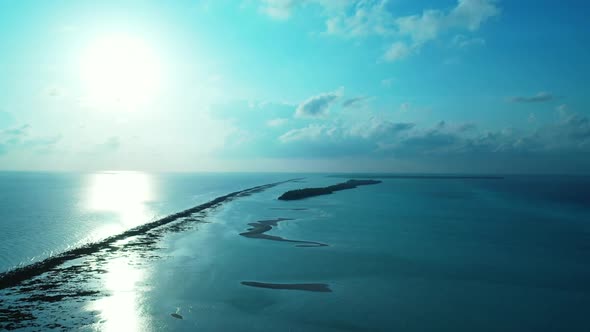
(424, 177)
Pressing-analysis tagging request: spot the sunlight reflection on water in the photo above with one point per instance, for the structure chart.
(125, 194)
(121, 310)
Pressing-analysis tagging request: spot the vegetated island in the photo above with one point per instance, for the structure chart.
(322, 288)
(310, 192)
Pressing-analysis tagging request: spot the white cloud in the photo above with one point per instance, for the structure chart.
(360, 18)
(318, 106)
(278, 9)
(374, 18)
(461, 41)
(376, 128)
(397, 51)
(421, 28)
(311, 132)
(367, 18)
(471, 14)
(277, 122)
(466, 15)
(411, 32)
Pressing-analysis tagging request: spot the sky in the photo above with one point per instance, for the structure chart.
(445, 86)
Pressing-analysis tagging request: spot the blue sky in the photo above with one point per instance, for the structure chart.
(284, 85)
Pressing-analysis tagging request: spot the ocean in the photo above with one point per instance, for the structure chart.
(45, 213)
(411, 253)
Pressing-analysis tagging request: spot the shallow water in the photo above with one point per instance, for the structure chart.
(406, 254)
(45, 213)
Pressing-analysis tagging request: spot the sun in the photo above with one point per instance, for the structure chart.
(120, 72)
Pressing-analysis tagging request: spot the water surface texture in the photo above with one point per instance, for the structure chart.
(45, 213)
(407, 254)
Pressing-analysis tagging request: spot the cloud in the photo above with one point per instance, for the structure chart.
(420, 29)
(309, 133)
(318, 106)
(387, 82)
(278, 122)
(552, 147)
(465, 127)
(375, 18)
(355, 102)
(397, 51)
(461, 41)
(540, 97)
(571, 134)
(471, 14)
(562, 109)
(20, 139)
(377, 128)
(573, 130)
(365, 18)
(278, 9)
(406, 35)
(18, 131)
(372, 129)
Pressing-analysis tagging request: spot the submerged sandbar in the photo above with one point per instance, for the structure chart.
(321, 288)
(259, 228)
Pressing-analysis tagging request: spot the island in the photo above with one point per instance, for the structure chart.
(310, 192)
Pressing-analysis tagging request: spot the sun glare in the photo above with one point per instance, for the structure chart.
(124, 193)
(120, 72)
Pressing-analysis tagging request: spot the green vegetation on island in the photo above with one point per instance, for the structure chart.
(310, 192)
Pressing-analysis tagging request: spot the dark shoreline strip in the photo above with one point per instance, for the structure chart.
(321, 288)
(262, 226)
(310, 192)
(423, 177)
(14, 277)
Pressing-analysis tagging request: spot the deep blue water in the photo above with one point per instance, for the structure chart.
(404, 255)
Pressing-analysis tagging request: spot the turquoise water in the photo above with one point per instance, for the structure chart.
(403, 255)
(45, 213)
